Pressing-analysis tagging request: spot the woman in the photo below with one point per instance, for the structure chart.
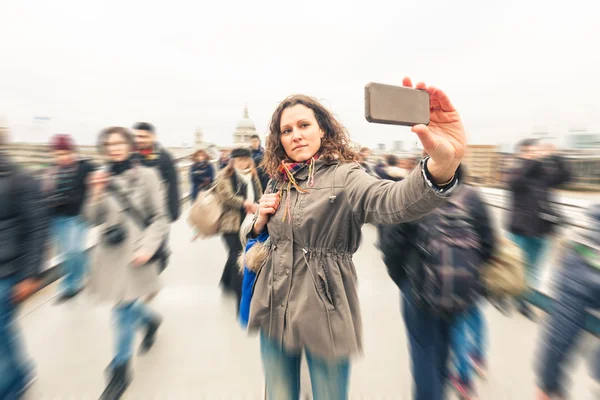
(239, 189)
(201, 173)
(123, 269)
(305, 296)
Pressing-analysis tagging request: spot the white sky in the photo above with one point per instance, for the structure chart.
(180, 65)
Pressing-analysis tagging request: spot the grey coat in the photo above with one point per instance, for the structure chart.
(306, 293)
(113, 278)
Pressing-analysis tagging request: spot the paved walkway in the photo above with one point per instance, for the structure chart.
(201, 352)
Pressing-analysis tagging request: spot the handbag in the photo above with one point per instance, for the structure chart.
(162, 254)
(504, 274)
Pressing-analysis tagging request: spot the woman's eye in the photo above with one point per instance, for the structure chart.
(286, 131)
(304, 125)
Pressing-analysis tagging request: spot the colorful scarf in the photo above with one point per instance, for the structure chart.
(287, 171)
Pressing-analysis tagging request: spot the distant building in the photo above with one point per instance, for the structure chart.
(482, 164)
(244, 130)
(398, 145)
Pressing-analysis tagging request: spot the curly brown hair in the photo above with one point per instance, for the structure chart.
(335, 144)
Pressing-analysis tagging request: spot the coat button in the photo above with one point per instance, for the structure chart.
(282, 304)
(287, 272)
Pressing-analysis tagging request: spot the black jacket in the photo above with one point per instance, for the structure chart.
(23, 224)
(65, 196)
(257, 157)
(161, 159)
(530, 183)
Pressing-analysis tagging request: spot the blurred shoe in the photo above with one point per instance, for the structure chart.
(526, 310)
(120, 380)
(464, 391)
(150, 336)
(66, 296)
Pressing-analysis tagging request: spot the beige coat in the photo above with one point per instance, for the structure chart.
(232, 199)
(306, 293)
(112, 277)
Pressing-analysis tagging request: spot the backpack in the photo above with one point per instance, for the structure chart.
(504, 273)
(205, 215)
(449, 279)
(396, 242)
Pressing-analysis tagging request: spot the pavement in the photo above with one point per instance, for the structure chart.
(202, 353)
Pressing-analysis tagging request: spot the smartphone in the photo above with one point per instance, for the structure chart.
(396, 105)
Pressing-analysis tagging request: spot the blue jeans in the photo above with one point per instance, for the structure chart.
(14, 367)
(329, 379)
(533, 247)
(429, 341)
(578, 289)
(468, 340)
(129, 317)
(71, 235)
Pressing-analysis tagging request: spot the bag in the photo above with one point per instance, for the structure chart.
(162, 254)
(449, 281)
(504, 274)
(205, 215)
(252, 260)
(397, 244)
(114, 235)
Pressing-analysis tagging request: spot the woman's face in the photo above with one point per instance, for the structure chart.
(201, 157)
(242, 163)
(117, 147)
(300, 134)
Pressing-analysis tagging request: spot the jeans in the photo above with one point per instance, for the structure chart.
(533, 247)
(578, 289)
(468, 341)
(15, 369)
(129, 317)
(329, 379)
(71, 235)
(429, 341)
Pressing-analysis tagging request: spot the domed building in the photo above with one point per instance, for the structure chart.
(244, 130)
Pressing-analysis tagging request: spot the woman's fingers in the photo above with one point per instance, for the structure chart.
(406, 82)
(440, 97)
(267, 210)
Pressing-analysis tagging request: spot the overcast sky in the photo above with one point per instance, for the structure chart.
(509, 68)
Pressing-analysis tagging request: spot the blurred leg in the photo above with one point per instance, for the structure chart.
(13, 367)
(282, 370)
(329, 379)
(429, 343)
(461, 347)
(125, 318)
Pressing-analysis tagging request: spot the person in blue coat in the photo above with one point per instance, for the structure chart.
(202, 173)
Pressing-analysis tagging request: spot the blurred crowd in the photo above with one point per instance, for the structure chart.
(436, 260)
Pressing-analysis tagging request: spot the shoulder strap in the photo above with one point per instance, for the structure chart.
(128, 207)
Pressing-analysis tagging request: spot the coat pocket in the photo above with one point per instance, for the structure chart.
(324, 286)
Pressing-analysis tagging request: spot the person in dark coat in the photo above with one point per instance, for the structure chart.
(533, 217)
(22, 237)
(202, 173)
(154, 155)
(65, 188)
(258, 153)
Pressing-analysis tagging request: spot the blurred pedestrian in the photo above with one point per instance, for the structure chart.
(127, 201)
(305, 297)
(238, 186)
(258, 153)
(22, 236)
(577, 292)
(202, 173)
(65, 187)
(223, 159)
(532, 216)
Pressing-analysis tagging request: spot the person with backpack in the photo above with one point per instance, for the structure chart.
(437, 263)
(533, 218)
(127, 202)
(65, 187)
(23, 235)
(305, 298)
(238, 188)
(201, 173)
(577, 292)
